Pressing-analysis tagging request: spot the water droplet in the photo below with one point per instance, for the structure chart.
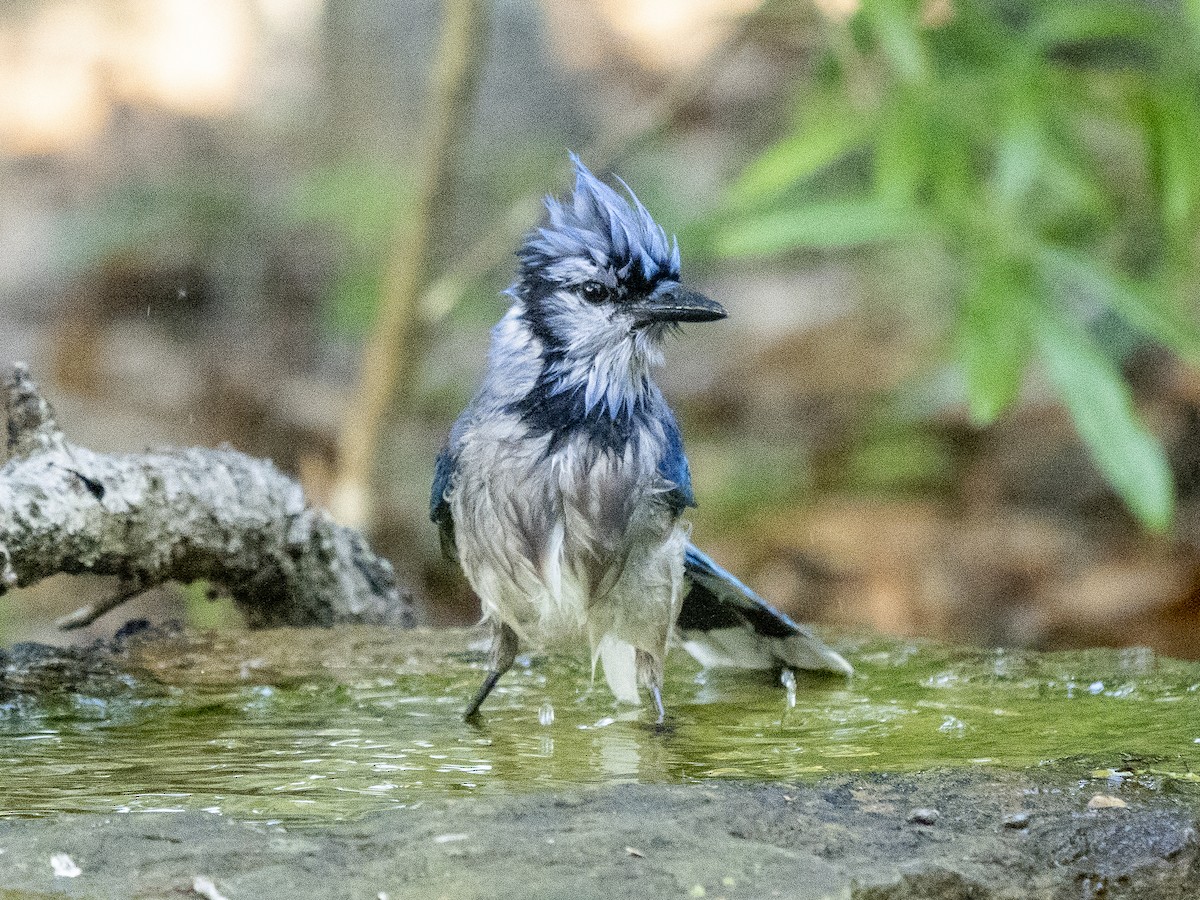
(1001, 664)
(64, 866)
(952, 725)
(788, 679)
(546, 714)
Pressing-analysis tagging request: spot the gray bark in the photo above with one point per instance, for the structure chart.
(179, 515)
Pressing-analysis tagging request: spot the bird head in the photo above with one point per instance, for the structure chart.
(600, 275)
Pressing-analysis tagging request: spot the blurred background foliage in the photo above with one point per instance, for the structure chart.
(958, 394)
(1042, 153)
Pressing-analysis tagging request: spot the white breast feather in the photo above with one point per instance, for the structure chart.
(580, 545)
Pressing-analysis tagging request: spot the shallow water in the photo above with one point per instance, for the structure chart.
(318, 726)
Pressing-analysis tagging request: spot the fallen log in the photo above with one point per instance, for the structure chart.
(178, 515)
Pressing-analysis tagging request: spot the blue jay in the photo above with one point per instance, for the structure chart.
(560, 488)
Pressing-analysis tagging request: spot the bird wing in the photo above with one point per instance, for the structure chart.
(439, 508)
(724, 623)
(674, 467)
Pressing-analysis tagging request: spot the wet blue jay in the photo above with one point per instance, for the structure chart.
(560, 488)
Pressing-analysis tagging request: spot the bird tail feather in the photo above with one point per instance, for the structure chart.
(724, 623)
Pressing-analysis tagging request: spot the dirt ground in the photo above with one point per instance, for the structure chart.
(939, 835)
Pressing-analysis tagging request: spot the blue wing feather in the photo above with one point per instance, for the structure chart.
(439, 508)
(716, 600)
(674, 468)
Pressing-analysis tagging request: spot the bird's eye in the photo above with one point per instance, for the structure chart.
(594, 292)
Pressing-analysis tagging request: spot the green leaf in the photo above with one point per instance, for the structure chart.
(1019, 155)
(897, 28)
(1044, 175)
(993, 343)
(1098, 399)
(1145, 308)
(904, 147)
(1094, 20)
(1172, 128)
(843, 223)
(1192, 8)
(798, 156)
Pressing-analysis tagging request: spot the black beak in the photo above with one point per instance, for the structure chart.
(679, 306)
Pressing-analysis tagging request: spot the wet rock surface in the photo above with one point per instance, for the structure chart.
(32, 669)
(842, 837)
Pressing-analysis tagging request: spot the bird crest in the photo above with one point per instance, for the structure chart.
(597, 231)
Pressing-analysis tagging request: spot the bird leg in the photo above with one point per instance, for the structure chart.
(650, 676)
(500, 660)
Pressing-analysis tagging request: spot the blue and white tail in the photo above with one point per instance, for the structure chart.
(725, 624)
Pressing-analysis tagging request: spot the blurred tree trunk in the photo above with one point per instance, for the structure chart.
(393, 348)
